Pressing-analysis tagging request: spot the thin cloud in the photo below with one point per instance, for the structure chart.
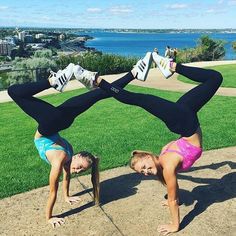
(232, 3)
(3, 8)
(120, 10)
(210, 11)
(215, 11)
(94, 10)
(46, 18)
(177, 6)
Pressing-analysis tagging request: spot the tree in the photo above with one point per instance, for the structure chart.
(2, 59)
(45, 53)
(234, 45)
(211, 49)
(207, 49)
(21, 51)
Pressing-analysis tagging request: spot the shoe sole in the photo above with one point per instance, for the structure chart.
(162, 66)
(90, 86)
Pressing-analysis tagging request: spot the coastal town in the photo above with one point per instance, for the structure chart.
(19, 46)
(23, 43)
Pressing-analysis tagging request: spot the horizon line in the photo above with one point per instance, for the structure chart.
(56, 27)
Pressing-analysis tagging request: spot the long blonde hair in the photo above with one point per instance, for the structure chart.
(94, 164)
(137, 155)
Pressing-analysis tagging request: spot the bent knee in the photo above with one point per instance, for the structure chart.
(12, 91)
(218, 77)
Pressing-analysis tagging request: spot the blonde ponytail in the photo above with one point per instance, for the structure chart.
(94, 164)
(95, 180)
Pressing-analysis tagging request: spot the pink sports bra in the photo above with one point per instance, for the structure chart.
(189, 152)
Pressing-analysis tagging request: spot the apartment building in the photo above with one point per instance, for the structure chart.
(6, 48)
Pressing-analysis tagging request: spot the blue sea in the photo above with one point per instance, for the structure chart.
(137, 44)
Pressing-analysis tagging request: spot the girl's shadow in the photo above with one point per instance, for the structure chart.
(119, 187)
(215, 190)
(112, 189)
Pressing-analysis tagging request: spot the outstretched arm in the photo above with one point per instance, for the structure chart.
(66, 181)
(172, 190)
(57, 160)
(53, 185)
(66, 186)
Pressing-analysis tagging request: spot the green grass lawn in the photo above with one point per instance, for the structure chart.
(228, 72)
(109, 129)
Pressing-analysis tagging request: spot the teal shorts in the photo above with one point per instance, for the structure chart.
(45, 144)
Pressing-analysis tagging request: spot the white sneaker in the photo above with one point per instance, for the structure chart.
(142, 67)
(163, 64)
(87, 78)
(60, 79)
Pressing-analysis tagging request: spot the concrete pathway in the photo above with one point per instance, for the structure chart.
(130, 203)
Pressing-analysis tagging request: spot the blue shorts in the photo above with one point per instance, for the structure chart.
(45, 144)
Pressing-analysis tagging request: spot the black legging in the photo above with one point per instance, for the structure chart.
(181, 116)
(54, 119)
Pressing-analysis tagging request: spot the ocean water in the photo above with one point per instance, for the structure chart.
(137, 44)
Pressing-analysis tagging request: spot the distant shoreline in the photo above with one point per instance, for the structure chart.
(76, 44)
(128, 30)
(138, 43)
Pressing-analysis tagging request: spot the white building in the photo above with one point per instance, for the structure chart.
(39, 36)
(21, 35)
(62, 36)
(36, 46)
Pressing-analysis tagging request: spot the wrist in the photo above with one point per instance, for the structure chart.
(176, 227)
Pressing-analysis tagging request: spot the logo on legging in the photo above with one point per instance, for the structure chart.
(115, 90)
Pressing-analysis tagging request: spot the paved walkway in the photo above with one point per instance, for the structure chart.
(155, 80)
(130, 203)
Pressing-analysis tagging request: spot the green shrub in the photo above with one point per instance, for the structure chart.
(26, 70)
(3, 80)
(31, 69)
(45, 53)
(96, 61)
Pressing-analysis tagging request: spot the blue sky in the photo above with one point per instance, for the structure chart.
(155, 14)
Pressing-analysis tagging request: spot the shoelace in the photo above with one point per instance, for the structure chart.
(52, 74)
(85, 81)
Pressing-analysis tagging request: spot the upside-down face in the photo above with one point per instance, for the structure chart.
(79, 164)
(146, 166)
